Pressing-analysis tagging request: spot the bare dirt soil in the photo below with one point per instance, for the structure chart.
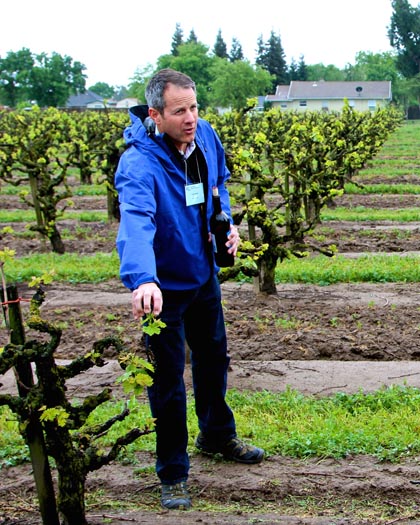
(318, 340)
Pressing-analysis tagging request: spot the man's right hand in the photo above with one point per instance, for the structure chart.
(145, 299)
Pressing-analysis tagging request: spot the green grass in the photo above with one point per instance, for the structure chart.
(390, 168)
(12, 448)
(320, 270)
(383, 424)
(292, 424)
(69, 267)
(362, 214)
(357, 214)
(80, 190)
(29, 216)
(390, 189)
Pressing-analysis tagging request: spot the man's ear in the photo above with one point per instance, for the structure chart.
(155, 115)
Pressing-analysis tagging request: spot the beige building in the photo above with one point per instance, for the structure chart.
(126, 103)
(330, 96)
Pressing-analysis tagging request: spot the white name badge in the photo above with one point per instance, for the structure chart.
(194, 194)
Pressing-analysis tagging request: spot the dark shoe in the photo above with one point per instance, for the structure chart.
(234, 450)
(175, 496)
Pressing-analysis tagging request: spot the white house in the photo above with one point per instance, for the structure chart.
(127, 103)
(330, 96)
(90, 100)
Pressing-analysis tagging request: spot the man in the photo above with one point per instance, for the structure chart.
(164, 181)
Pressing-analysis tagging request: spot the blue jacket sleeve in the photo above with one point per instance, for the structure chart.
(137, 227)
(222, 172)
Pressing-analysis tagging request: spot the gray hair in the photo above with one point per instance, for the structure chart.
(158, 83)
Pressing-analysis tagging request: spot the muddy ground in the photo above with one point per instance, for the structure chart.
(319, 340)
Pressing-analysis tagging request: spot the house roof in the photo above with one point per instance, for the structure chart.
(282, 91)
(313, 90)
(83, 99)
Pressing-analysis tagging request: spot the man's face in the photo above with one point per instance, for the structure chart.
(179, 118)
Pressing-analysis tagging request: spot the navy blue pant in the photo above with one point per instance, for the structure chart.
(195, 316)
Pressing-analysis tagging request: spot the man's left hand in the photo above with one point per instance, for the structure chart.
(233, 240)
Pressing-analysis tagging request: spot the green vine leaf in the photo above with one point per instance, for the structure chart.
(137, 374)
(151, 325)
(55, 414)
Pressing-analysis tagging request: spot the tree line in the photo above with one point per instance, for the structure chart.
(224, 77)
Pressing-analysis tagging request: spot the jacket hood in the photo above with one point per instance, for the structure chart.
(139, 112)
(142, 128)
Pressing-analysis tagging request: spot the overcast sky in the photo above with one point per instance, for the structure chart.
(114, 39)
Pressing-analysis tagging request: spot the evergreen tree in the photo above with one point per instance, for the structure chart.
(293, 71)
(404, 37)
(192, 38)
(220, 48)
(271, 57)
(177, 39)
(297, 70)
(302, 70)
(236, 52)
(261, 52)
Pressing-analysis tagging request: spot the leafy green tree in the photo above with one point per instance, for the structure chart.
(271, 57)
(15, 71)
(404, 36)
(193, 60)
(373, 66)
(220, 48)
(53, 79)
(406, 93)
(235, 82)
(103, 89)
(48, 81)
(138, 83)
(177, 40)
(321, 72)
(236, 52)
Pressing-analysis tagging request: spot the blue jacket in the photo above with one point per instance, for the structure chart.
(160, 238)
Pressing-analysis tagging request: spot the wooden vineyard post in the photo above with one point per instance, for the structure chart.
(34, 436)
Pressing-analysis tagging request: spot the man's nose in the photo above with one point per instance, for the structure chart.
(190, 115)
